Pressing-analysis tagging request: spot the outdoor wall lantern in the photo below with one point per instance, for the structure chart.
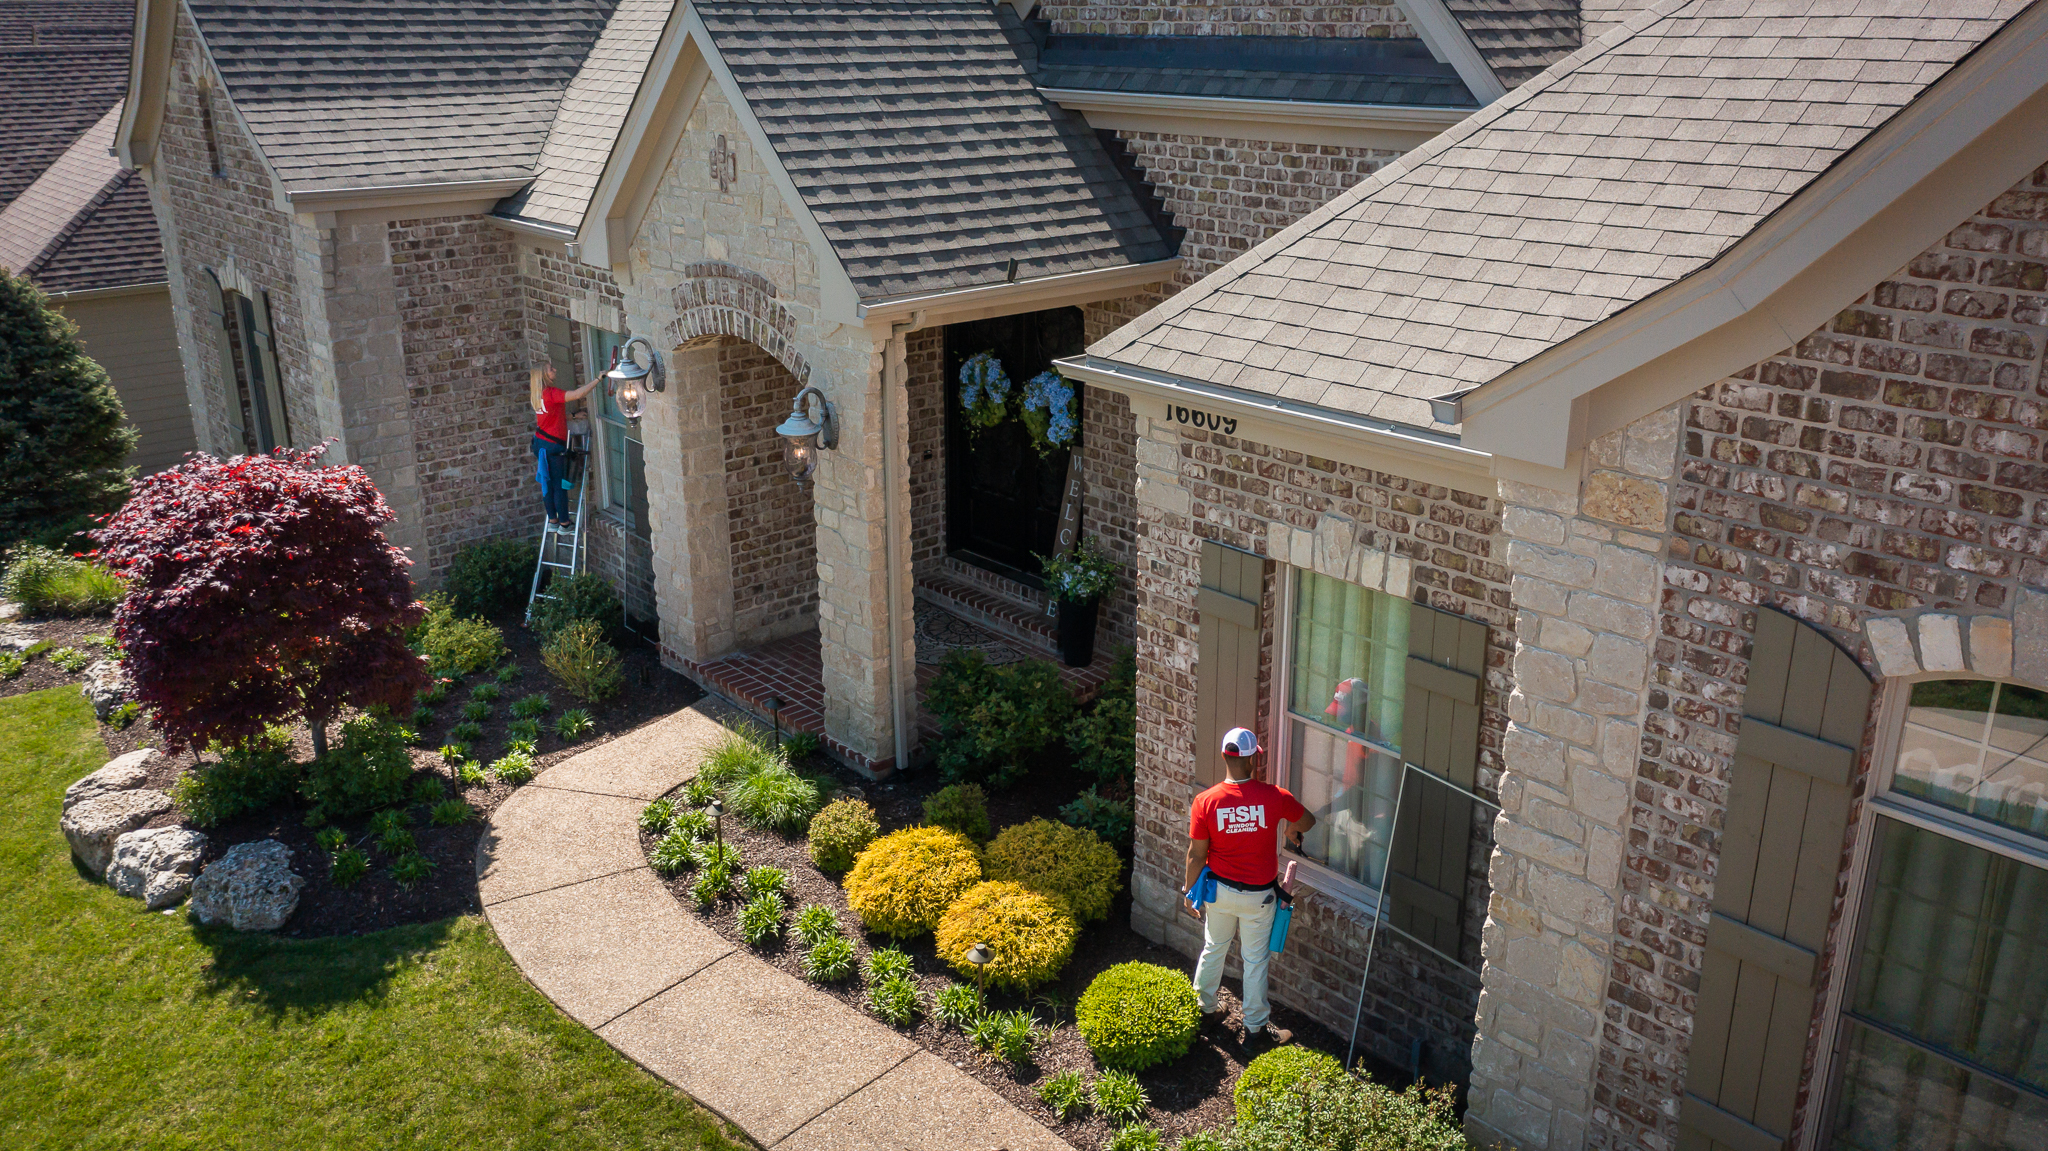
(631, 380)
(803, 433)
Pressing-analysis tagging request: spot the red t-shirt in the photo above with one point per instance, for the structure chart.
(554, 421)
(1242, 821)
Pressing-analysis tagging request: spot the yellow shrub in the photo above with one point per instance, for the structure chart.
(1032, 936)
(903, 882)
(1069, 864)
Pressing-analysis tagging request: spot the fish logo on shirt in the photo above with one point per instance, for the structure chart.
(1244, 817)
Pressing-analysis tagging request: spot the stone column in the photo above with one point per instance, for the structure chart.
(685, 445)
(371, 396)
(1586, 577)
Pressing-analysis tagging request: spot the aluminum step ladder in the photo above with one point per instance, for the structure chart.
(561, 549)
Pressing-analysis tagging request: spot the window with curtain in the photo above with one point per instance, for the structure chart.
(1945, 1044)
(1346, 692)
(1979, 747)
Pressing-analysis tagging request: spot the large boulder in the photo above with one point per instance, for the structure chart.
(156, 865)
(122, 773)
(93, 825)
(106, 685)
(251, 887)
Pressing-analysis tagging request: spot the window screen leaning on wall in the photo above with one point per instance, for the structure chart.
(620, 461)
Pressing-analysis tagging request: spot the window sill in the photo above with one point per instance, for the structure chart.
(1335, 884)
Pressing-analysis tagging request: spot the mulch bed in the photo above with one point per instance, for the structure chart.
(376, 901)
(1188, 1095)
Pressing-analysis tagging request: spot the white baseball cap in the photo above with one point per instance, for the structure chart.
(1239, 741)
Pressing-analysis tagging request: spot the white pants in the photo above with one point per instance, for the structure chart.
(1249, 916)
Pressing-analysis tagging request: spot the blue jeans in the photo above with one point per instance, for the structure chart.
(554, 468)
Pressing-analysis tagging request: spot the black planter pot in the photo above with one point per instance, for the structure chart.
(1076, 625)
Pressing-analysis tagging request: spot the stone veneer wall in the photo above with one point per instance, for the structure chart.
(462, 316)
(1362, 21)
(768, 512)
(1890, 462)
(1412, 539)
(1232, 194)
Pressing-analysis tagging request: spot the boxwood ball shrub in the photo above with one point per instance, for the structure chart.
(841, 832)
(1069, 864)
(962, 807)
(904, 882)
(1138, 1015)
(1031, 936)
(1271, 1076)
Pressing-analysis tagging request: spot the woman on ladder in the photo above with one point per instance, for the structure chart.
(551, 438)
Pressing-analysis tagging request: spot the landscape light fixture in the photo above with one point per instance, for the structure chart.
(630, 380)
(980, 956)
(804, 433)
(774, 705)
(717, 811)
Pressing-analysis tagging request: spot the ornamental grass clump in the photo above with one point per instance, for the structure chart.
(961, 807)
(1273, 1075)
(760, 881)
(1119, 1097)
(656, 816)
(1032, 937)
(840, 832)
(532, 706)
(739, 753)
(886, 963)
(817, 923)
(1066, 1093)
(46, 582)
(692, 822)
(903, 883)
(761, 919)
(775, 798)
(1071, 865)
(1138, 1015)
(673, 854)
(1007, 1036)
(894, 1000)
(829, 960)
(714, 881)
(957, 1004)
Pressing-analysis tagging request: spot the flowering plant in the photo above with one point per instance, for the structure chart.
(1083, 575)
(1049, 412)
(984, 391)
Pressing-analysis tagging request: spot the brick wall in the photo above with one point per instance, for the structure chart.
(924, 361)
(1362, 21)
(1231, 194)
(462, 318)
(1891, 460)
(1430, 542)
(769, 514)
(208, 220)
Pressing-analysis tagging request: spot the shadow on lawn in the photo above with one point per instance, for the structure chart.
(302, 977)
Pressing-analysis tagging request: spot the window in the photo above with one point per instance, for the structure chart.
(249, 374)
(622, 483)
(1347, 664)
(1979, 747)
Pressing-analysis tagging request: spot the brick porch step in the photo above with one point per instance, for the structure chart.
(1006, 613)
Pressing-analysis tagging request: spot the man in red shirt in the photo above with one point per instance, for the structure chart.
(1234, 830)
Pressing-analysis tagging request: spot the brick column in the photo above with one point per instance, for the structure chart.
(1586, 574)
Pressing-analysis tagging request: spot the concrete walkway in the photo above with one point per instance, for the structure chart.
(569, 892)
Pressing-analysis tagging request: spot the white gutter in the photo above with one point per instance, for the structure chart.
(344, 199)
(536, 228)
(998, 299)
(895, 375)
(1316, 113)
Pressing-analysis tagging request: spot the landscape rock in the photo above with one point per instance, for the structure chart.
(251, 887)
(106, 685)
(156, 865)
(93, 825)
(122, 773)
(16, 637)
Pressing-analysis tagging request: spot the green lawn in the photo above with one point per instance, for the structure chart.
(123, 1028)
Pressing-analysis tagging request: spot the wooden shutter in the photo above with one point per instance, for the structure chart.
(230, 380)
(1227, 656)
(1432, 845)
(259, 359)
(562, 351)
(1781, 846)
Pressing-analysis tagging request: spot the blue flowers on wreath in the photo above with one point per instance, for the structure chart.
(984, 392)
(1049, 412)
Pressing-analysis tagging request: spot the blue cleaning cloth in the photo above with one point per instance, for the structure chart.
(1203, 891)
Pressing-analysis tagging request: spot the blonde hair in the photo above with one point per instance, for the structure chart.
(535, 379)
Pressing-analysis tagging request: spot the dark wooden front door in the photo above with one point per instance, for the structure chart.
(1002, 497)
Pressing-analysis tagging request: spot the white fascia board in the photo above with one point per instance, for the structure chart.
(1934, 164)
(1448, 42)
(1381, 445)
(1392, 126)
(404, 195)
(149, 80)
(963, 304)
(671, 51)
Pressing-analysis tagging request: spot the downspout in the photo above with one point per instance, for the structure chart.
(893, 485)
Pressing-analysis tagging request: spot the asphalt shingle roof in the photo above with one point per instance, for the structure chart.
(1324, 69)
(921, 146)
(593, 108)
(1519, 38)
(367, 93)
(65, 63)
(1631, 165)
(112, 244)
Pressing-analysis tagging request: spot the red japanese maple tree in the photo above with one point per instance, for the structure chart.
(261, 589)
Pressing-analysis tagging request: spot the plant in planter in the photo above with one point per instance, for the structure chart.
(1077, 581)
(984, 392)
(1049, 412)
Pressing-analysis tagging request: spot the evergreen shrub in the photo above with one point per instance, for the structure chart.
(1032, 937)
(581, 597)
(1276, 1073)
(995, 722)
(1104, 740)
(491, 578)
(367, 768)
(1138, 1015)
(904, 882)
(1349, 1113)
(840, 832)
(586, 665)
(961, 807)
(259, 772)
(67, 439)
(1068, 864)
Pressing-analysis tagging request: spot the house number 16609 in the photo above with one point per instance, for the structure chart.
(1197, 418)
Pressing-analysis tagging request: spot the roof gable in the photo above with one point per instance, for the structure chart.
(1629, 166)
(66, 63)
(1519, 38)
